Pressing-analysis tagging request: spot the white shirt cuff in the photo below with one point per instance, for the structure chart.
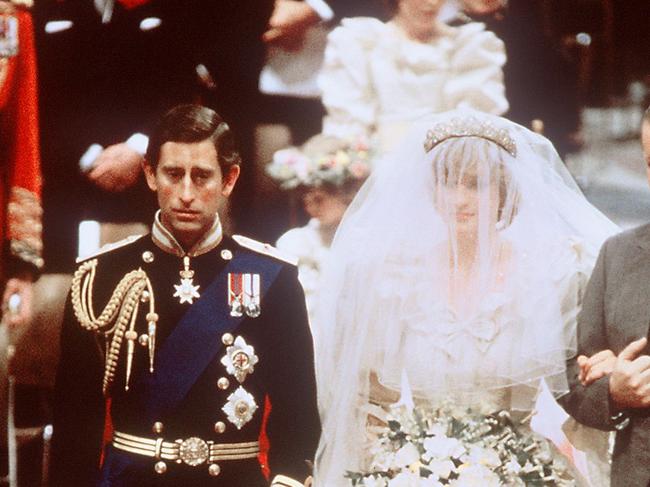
(87, 160)
(138, 142)
(321, 7)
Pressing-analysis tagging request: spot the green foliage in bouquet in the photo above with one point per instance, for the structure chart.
(459, 447)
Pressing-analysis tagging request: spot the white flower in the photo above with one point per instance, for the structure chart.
(482, 456)
(441, 469)
(410, 479)
(441, 447)
(372, 481)
(404, 479)
(476, 476)
(513, 466)
(430, 481)
(406, 455)
(436, 429)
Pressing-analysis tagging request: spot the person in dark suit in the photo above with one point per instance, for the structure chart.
(609, 378)
(204, 346)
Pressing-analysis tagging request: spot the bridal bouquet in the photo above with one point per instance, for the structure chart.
(448, 446)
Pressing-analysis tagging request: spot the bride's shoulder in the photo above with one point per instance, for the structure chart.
(571, 256)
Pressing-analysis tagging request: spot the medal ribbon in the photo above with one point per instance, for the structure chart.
(196, 339)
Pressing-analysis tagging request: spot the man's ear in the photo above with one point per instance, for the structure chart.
(229, 180)
(150, 175)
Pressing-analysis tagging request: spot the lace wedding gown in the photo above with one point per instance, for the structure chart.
(460, 264)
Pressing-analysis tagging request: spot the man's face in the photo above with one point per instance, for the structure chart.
(190, 188)
(645, 143)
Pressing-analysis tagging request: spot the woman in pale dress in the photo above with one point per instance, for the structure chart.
(461, 264)
(324, 174)
(379, 76)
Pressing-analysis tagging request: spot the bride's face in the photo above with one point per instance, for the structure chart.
(463, 200)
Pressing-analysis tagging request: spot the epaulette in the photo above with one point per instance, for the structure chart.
(265, 249)
(110, 247)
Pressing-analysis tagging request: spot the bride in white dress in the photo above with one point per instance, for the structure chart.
(461, 263)
(378, 77)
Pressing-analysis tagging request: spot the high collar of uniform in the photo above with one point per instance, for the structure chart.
(164, 239)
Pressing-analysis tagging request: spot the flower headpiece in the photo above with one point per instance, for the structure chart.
(321, 160)
(470, 127)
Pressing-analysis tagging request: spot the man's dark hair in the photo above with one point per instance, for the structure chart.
(194, 123)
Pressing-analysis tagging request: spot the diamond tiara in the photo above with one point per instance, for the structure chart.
(470, 127)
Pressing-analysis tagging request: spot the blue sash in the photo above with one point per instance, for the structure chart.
(196, 340)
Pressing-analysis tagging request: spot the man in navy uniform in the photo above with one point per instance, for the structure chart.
(186, 343)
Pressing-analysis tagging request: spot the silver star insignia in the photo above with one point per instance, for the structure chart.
(186, 291)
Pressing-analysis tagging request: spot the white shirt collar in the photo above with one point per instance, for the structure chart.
(164, 239)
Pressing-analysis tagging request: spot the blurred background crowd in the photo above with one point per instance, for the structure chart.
(81, 82)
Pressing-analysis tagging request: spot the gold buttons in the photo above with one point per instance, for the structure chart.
(226, 254)
(157, 427)
(160, 467)
(143, 340)
(223, 383)
(147, 256)
(219, 427)
(214, 469)
(227, 339)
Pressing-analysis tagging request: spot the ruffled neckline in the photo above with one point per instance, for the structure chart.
(390, 38)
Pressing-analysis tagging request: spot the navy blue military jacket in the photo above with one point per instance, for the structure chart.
(283, 376)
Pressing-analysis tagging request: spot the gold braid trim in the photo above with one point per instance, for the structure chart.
(119, 314)
(24, 217)
(4, 69)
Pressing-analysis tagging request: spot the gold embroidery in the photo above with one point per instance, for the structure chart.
(4, 69)
(24, 225)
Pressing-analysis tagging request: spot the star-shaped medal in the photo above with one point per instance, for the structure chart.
(186, 291)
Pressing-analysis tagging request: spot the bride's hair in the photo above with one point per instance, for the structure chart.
(475, 160)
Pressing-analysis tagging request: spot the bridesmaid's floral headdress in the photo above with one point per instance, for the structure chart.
(470, 127)
(321, 161)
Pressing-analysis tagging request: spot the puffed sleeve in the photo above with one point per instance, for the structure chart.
(299, 243)
(590, 404)
(477, 71)
(347, 89)
(574, 274)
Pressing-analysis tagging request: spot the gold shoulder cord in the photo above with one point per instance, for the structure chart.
(120, 312)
